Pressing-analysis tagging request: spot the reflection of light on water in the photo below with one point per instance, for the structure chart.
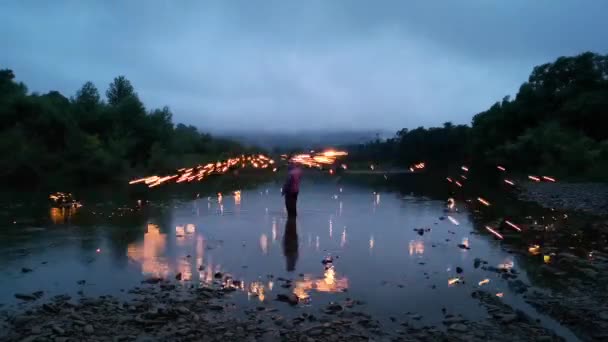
(451, 203)
(264, 243)
(416, 247)
(340, 209)
(343, 239)
(371, 242)
(221, 209)
(190, 228)
(378, 199)
(180, 231)
(331, 228)
(149, 253)
(256, 289)
(61, 215)
(317, 243)
(270, 285)
(274, 229)
(237, 197)
(200, 251)
(453, 281)
(507, 264)
(465, 242)
(219, 197)
(330, 283)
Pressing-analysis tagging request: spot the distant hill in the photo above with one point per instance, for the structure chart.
(304, 140)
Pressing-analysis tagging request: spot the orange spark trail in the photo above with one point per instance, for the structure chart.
(483, 201)
(513, 225)
(494, 232)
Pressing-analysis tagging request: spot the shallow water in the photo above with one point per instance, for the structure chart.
(378, 257)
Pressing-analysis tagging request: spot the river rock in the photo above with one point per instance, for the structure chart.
(459, 327)
(88, 329)
(291, 298)
(58, 330)
(26, 270)
(24, 296)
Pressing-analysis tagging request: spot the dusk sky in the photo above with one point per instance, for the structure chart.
(289, 65)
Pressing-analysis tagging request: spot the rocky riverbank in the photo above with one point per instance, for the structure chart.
(591, 198)
(171, 311)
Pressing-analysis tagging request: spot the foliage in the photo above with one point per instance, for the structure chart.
(556, 125)
(49, 137)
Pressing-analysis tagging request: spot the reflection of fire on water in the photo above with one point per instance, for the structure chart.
(416, 247)
(257, 289)
(330, 283)
(149, 253)
(264, 243)
(237, 197)
(61, 215)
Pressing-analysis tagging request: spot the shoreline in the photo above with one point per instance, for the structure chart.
(590, 198)
(167, 310)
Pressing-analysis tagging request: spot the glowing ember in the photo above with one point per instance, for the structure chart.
(534, 178)
(451, 203)
(494, 232)
(501, 168)
(550, 179)
(509, 182)
(458, 183)
(453, 220)
(483, 201)
(514, 226)
(499, 295)
(485, 281)
(534, 249)
(464, 168)
(453, 281)
(449, 179)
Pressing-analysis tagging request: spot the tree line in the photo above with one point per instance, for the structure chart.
(557, 124)
(86, 139)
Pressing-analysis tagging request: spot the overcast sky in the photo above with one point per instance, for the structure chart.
(287, 65)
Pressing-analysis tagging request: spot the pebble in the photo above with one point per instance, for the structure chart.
(459, 327)
(88, 329)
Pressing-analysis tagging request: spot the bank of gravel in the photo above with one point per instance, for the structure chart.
(170, 311)
(590, 198)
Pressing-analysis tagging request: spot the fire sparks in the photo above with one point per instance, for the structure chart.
(451, 203)
(510, 182)
(499, 295)
(501, 168)
(453, 281)
(200, 172)
(549, 179)
(464, 168)
(483, 201)
(458, 183)
(534, 249)
(534, 178)
(514, 226)
(483, 282)
(318, 159)
(453, 220)
(449, 179)
(494, 232)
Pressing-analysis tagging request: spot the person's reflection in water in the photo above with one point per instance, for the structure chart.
(290, 244)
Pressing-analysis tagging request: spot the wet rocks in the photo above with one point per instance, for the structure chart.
(291, 298)
(25, 296)
(26, 270)
(152, 280)
(88, 329)
(463, 246)
(458, 327)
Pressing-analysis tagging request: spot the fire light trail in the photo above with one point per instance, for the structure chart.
(550, 179)
(453, 220)
(534, 178)
(485, 281)
(494, 232)
(464, 168)
(513, 226)
(483, 201)
(458, 183)
(256, 161)
(509, 182)
(501, 168)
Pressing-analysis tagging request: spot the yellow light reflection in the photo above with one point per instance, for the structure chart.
(416, 247)
(150, 253)
(330, 283)
(264, 243)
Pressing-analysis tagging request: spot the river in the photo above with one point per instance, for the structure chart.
(398, 253)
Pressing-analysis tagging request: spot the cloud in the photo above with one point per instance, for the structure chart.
(286, 65)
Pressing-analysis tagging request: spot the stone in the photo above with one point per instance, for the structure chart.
(178, 276)
(183, 310)
(24, 296)
(458, 270)
(291, 298)
(26, 270)
(58, 330)
(88, 329)
(458, 327)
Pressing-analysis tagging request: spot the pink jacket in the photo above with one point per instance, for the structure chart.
(292, 185)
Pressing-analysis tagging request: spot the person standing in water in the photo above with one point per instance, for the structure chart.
(291, 188)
